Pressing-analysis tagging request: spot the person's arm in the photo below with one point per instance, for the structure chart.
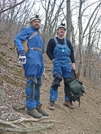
(21, 36)
(72, 51)
(50, 49)
(72, 57)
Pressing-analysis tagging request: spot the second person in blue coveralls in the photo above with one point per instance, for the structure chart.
(33, 64)
(61, 52)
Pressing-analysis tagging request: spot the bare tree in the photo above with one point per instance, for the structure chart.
(68, 19)
(15, 15)
(4, 7)
(53, 11)
(84, 53)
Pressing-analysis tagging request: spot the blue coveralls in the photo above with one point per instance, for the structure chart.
(61, 65)
(34, 66)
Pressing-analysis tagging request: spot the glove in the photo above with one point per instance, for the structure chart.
(22, 57)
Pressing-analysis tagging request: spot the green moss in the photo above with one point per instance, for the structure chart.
(3, 53)
(13, 81)
(2, 93)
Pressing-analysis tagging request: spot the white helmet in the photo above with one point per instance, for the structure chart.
(62, 26)
(36, 17)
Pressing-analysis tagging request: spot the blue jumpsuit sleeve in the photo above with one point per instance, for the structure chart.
(22, 35)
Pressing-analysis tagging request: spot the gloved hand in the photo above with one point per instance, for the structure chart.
(22, 57)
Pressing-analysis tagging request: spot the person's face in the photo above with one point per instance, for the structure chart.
(36, 23)
(61, 31)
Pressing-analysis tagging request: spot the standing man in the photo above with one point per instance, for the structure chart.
(33, 64)
(61, 52)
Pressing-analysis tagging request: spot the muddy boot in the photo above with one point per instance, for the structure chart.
(34, 113)
(40, 110)
(51, 107)
(69, 104)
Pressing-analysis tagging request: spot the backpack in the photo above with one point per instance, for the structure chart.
(25, 43)
(76, 90)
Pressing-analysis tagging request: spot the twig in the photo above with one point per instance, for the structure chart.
(23, 125)
(46, 76)
(28, 119)
(62, 107)
(25, 130)
(9, 124)
(19, 108)
(51, 121)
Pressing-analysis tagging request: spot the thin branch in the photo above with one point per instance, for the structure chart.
(9, 124)
(29, 129)
(11, 7)
(28, 120)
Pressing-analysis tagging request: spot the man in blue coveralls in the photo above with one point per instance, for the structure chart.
(33, 64)
(61, 52)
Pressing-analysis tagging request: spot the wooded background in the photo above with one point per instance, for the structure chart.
(83, 20)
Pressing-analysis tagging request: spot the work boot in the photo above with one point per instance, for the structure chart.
(51, 107)
(34, 113)
(40, 110)
(69, 104)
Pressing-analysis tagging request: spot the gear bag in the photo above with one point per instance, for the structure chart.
(25, 43)
(76, 89)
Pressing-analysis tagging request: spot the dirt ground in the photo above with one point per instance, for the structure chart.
(85, 119)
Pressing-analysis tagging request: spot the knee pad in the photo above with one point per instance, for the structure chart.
(57, 76)
(33, 78)
(30, 89)
(57, 79)
(55, 87)
(39, 81)
(67, 80)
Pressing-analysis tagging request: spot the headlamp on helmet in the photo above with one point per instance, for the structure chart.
(36, 17)
(62, 26)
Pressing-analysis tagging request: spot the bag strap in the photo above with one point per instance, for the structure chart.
(33, 35)
(65, 41)
(73, 74)
(56, 40)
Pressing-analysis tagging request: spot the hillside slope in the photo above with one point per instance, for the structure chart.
(85, 119)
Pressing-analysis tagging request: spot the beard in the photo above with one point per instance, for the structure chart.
(37, 27)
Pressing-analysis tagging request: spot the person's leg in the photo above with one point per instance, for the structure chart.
(68, 101)
(37, 97)
(67, 75)
(54, 90)
(53, 97)
(37, 90)
(30, 99)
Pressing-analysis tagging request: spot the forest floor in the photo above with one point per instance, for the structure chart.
(85, 119)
